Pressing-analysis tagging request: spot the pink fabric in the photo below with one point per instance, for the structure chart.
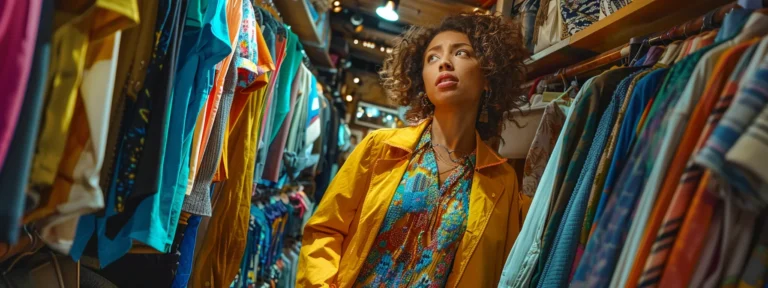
(18, 31)
(277, 148)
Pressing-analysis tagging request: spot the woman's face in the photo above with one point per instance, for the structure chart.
(452, 74)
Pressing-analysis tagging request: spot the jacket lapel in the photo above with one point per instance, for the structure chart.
(487, 189)
(386, 174)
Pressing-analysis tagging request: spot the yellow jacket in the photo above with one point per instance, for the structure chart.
(339, 235)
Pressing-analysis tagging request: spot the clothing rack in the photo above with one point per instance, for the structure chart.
(692, 27)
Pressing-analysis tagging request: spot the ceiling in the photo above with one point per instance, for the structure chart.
(421, 12)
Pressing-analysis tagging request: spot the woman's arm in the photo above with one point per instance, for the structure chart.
(325, 232)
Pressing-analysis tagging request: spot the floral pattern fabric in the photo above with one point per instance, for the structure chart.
(541, 148)
(418, 239)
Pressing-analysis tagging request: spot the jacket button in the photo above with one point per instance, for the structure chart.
(493, 195)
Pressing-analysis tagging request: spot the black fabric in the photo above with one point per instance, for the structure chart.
(331, 142)
(147, 270)
(91, 279)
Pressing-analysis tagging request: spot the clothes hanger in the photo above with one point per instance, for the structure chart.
(639, 51)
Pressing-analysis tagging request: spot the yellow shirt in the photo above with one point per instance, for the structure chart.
(83, 41)
(339, 236)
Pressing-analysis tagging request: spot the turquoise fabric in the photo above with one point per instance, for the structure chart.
(201, 50)
(563, 251)
(204, 43)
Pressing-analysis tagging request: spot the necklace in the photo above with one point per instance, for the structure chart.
(450, 152)
(440, 158)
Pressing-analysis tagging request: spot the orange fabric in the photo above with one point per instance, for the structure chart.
(685, 253)
(205, 119)
(696, 124)
(266, 63)
(75, 144)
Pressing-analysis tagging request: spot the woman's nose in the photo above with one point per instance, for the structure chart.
(446, 65)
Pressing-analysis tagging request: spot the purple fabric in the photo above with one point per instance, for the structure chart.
(653, 55)
(18, 31)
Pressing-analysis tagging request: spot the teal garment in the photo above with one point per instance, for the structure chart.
(201, 50)
(204, 43)
(282, 97)
(145, 226)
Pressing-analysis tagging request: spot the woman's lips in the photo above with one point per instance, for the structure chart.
(447, 84)
(446, 80)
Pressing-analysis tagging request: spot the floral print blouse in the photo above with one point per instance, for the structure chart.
(418, 239)
(541, 148)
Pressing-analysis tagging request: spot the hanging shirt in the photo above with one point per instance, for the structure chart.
(15, 171)
(418, 239)
(541, 148)
(69, 57)
(605, 165)
(121, 197)
(562, 254)
(677, 165)
(18, 47)
(521, 262)
(641, 97)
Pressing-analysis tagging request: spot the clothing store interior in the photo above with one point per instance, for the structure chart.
(643, 149)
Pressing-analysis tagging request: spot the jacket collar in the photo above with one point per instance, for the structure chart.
(407, 138)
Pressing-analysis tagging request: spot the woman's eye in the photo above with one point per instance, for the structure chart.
(432, 58)
(463, 53)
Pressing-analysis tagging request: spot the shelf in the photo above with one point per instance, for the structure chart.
(319, 54)
(315, 38)
(639, 18)
(296, 14)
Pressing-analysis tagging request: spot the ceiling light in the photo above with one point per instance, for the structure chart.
(382, 49)
(359, 29)
(337, 9)
(356, 41)
(389, 50)
(388, 11)
(356, 19)
(349, 98)
(336, 3)
(356, 80)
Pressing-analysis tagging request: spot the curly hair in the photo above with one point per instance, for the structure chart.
(500, 49)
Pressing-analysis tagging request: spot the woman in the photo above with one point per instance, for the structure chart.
(430, 205)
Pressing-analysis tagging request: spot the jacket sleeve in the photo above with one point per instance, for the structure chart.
(517, 213)
(324, 233)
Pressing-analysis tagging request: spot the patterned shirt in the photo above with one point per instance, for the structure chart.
(418, 239)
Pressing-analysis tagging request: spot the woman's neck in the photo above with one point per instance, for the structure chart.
(454, 130)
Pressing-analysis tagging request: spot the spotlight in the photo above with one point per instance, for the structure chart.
(356, 80)
(349, 98)
(359, 29)
(356, 41)
(382, 49)
(337, 9)
(336, 3)
(388, 11)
